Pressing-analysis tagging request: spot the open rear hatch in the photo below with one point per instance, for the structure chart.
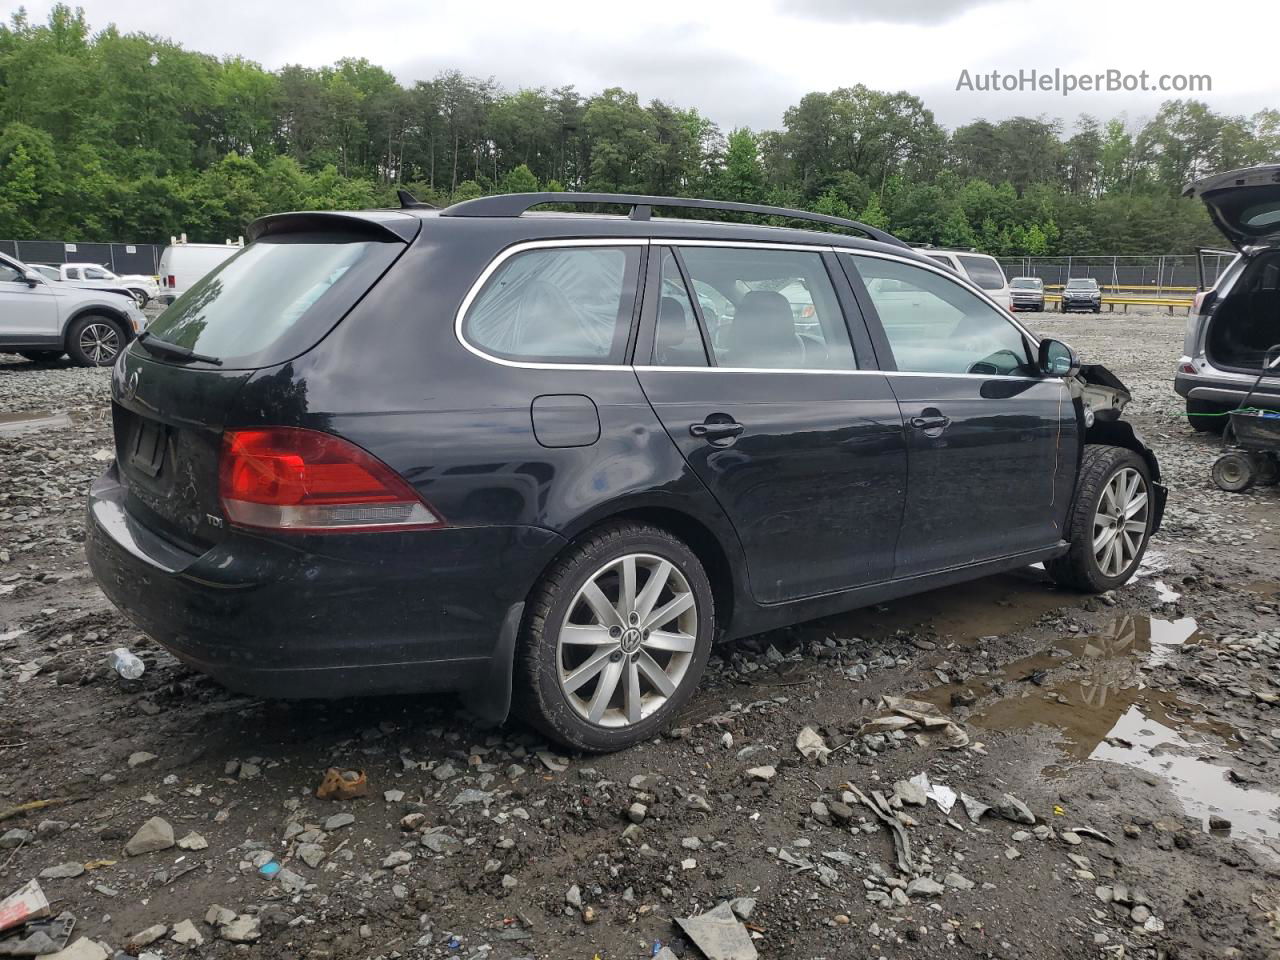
(1243, 204)
(180, 385)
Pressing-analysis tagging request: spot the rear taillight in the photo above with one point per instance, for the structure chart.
(171, 281)
(287, 478)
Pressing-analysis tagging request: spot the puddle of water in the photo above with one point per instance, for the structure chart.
(32, 421)
(1091, 689)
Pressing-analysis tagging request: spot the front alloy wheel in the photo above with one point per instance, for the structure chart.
(615, 638)
(1109, 524)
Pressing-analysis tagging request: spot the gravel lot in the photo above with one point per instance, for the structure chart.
(1119, 726)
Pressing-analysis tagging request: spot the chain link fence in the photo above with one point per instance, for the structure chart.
(1154, 276)
(121, 258)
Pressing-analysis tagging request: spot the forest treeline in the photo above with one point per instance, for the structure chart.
(126, 136)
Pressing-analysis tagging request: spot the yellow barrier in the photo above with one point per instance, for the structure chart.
(1121, 286)
(1173, 303)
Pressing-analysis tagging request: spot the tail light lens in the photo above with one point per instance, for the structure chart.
(288, 478)
(170, 281)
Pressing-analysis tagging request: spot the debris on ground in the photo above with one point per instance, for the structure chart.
(342, 785)
(719, 934)
(932, 726)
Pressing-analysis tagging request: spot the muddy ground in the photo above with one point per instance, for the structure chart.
(1139, 715)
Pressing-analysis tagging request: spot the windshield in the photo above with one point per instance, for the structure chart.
(1082, 284)
(983, 271)
(275, 298)
(1026, 283)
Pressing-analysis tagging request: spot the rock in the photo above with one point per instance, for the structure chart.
(82, 949)
(148, 936)
(156, 834)
(742, 907)
(141, 758)
(1020, 836)
(963, 698)
(193, 841)
(573, 897)
(216, 916)
(1139, 914)
(1071, 838)
(840, 812)
(910, 793)
(925, 887)
(1011, 808)
(393, 796)
(396, 858)
(1219, 823)
(471, 795)
(764, 774)
(243, 929)
(719, 935)
(312, 854)
(63, 871)
(444, 771)
(973, 807)
(637, 812)
(51, 828)
(250, 771)
(509, 882)
(185, 932)
(1010, 853)
(812, 746)
(338, 821)
(957, 882)
(13, 839)
(691, 843)
(290, 882)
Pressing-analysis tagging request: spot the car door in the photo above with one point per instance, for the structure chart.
(763, 394)
(28, 314)
(992, 444)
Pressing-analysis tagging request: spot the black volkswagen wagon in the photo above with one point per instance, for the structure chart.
(548, 458)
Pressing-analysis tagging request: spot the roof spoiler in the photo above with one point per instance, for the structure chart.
(515, 204)
(409, 202)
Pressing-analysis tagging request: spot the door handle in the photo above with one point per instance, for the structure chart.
(715, 430)
(931, 423)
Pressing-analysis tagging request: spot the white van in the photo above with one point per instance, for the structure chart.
(982, 270)
(183, 264)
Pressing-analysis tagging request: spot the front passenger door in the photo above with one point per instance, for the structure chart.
(991, 443)
(28, 315)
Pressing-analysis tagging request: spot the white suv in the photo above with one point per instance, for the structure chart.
(42, 320)
(983, 270)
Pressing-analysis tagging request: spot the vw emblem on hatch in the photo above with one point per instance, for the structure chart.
(131, 386)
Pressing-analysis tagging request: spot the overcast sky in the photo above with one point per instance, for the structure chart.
(743, 62)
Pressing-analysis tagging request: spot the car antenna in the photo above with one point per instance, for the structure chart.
(409, 202)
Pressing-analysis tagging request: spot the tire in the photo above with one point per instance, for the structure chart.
(1104, 474)
(578, 717)
(95, 340)
(140, 297)
(1205, 416)
(41, 356)
(1234, 472)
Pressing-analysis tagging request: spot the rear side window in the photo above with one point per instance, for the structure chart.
(771, 308)
(983, 271)
(557, 305)
(275, 298)
(677, 341)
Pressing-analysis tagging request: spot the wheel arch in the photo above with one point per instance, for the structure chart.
(1120, 433)
(98, 310)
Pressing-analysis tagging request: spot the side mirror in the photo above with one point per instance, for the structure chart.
(1057, 359)
(33, 279)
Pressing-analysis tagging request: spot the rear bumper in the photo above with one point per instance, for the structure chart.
(1225, 388)
(320, 616)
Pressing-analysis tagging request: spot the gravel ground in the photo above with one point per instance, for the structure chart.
(1122, 728)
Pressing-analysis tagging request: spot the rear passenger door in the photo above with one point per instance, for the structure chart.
(992, 444)
(758, 381)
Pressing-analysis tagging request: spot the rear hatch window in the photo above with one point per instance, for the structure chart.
(983, 271)
(277, 297)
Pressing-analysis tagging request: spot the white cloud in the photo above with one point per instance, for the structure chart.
(738, 62)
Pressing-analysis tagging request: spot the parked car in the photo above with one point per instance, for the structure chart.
(183, 264)
(473, 449)
(1238, 320)
(42, 319)
(94, 276)
(983, 270)
(1027, 293)
(1082, 293)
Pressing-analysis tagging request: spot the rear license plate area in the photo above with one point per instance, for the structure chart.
(147, 447)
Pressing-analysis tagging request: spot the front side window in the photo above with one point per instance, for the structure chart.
(935, 325)
(73, 273)
(771, 308)
(676, 341)
(93, 273)
(557, 305)
(983, 271)
(9, 273)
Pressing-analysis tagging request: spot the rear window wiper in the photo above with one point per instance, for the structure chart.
(163, 348)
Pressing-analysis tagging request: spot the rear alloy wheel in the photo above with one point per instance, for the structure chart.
(615, 639)
(95, 341)
(1110, 521)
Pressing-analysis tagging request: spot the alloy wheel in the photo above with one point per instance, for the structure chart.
(627, 640)
(100, 342)
(1120, 523)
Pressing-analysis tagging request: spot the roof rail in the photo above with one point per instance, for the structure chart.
(515, 204)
